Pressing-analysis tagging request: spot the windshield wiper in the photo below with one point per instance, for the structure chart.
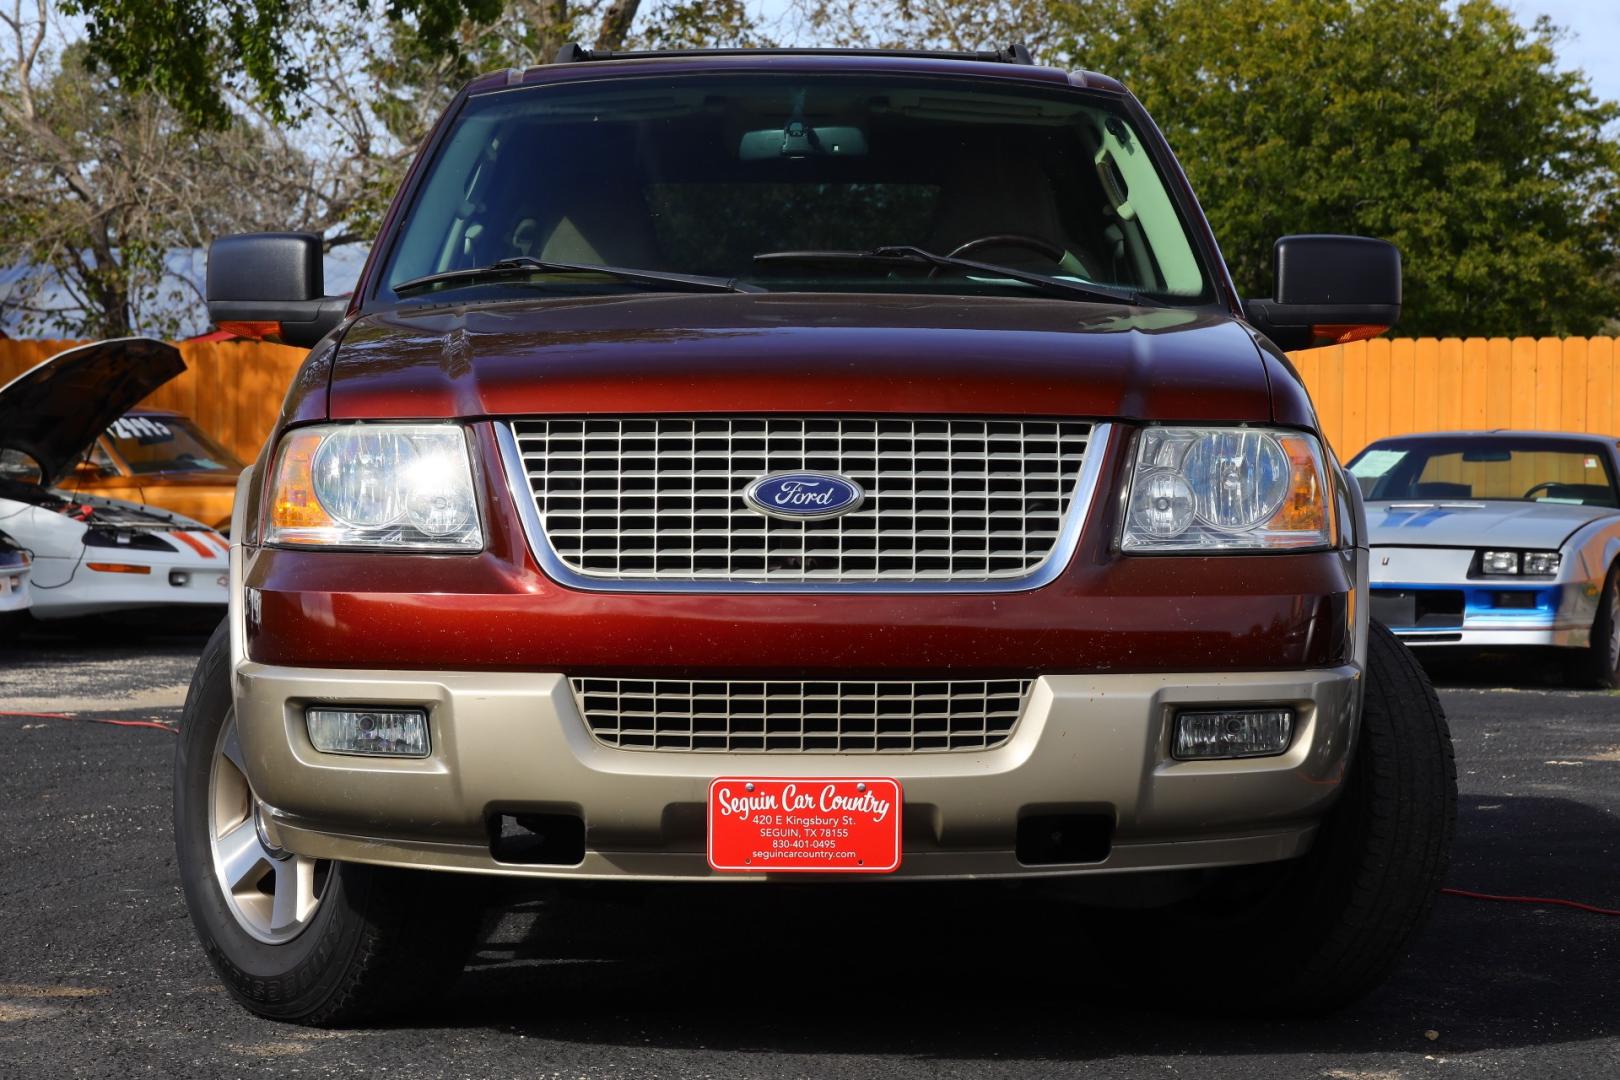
(895, 254)
(523, 265)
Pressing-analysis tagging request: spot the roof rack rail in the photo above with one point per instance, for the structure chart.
(1012, 53)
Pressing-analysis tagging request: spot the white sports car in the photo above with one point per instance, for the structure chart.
(93, 555)
(1491, 538)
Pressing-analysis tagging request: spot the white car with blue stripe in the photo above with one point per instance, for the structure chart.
(1498, 538)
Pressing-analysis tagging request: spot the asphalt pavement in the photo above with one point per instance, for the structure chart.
(100, 974)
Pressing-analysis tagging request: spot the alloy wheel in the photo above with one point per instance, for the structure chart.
(273, 894)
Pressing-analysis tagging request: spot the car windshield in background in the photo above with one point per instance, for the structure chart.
(159, 444)
(1452, 469)
(704, 174)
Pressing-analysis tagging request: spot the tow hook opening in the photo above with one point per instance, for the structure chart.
(1047, 839)
(537, 839)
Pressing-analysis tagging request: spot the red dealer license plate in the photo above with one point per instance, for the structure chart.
(804, 825)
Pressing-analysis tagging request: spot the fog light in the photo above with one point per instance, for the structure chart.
(386, 732)
(179, 578)
(1233, 733)
(1499, 562)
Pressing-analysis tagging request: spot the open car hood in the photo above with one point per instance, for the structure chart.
(55, 410)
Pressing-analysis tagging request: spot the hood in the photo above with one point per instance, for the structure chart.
(801, 352)
(55, 410)
(190, 479)
(1488, 524)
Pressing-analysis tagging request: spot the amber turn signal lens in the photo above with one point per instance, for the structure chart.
(253, 331)
(118, 568)
(1343, 334)
(1306, 507)
(293, 504)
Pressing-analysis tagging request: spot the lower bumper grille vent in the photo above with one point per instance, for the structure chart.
(783, 716)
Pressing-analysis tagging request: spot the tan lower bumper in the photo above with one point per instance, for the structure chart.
(516, 743)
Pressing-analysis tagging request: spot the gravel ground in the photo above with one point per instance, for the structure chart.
(100, 974)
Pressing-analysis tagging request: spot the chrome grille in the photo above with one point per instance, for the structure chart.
(783, 716)
(660, 498)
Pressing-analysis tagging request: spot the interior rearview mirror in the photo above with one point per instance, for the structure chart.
(1329, 290)
(263, 284)
(799, 140)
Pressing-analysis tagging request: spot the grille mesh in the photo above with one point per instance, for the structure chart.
(781, 716)
(660, 498)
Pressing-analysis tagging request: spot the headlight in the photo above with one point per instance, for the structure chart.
(1531, 563)
(1227, 489)
(395, 486)
(1542, 562)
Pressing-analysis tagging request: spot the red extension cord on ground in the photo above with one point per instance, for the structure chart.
(1536, 901)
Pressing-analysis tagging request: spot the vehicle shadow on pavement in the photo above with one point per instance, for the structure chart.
(924, 971)
(1518, 669)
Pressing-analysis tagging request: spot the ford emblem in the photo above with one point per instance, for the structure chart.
(799, 496)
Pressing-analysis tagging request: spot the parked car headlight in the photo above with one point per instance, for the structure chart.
(399, 487)
(1227, 489)
(1530, 563)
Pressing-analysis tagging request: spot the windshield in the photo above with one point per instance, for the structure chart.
(156, 444)
(1493, 467)
(701, 174)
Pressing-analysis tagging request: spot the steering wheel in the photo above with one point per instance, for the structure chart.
(1546, 485)
(1024, 240)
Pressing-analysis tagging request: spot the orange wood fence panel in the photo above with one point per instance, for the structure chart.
(1371, 389)
(1363, 391)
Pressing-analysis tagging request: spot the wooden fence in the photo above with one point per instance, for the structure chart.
(1370, 389)
(1363, 391)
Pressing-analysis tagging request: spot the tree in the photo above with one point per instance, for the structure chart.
(1445, 128)
(122, 153)
(106, 193)
(200, 54)
(357, 82)
(958, 25)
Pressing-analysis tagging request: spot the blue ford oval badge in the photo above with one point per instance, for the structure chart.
(796, 496)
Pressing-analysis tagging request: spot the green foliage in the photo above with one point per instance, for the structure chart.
(196, 52)
(1445, 128)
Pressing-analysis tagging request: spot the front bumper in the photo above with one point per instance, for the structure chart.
(14, 591)
(516, 743)
(83, 591)
(1488, 615)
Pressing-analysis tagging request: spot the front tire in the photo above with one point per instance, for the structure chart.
(296, 939)
(1599, 663)
(1316, 933)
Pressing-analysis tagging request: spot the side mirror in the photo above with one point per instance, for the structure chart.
(1330, 290)
(262, 284)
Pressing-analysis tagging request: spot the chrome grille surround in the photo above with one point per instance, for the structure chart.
(654, 503)
(805, 717)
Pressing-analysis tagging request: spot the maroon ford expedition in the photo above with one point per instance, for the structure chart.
(750, 468)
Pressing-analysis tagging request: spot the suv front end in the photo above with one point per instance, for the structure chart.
(848, 463)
